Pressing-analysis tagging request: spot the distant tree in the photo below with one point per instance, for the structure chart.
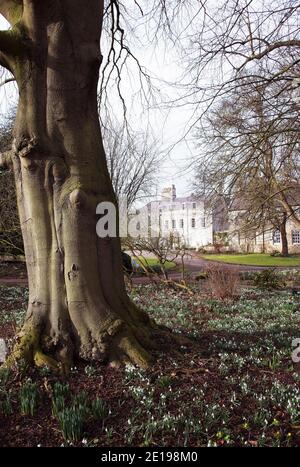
(251, 152)
(242, 41)
(10, 230)
(163, 248)
(133, 161)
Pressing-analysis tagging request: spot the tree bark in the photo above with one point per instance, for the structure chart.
(78, 306)
(284, 240)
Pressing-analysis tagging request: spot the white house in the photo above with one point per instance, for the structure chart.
(267, 239)
(197, 224)
(183, 217)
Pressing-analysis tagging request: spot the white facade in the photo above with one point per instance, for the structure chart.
(184, 218)
(267, 241)
(196, 226)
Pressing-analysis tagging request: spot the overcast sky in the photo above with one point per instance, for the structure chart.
(169, 125)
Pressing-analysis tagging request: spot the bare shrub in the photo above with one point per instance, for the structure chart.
(11, 242)
(222, 281)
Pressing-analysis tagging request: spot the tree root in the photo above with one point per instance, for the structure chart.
(118, 343)
(28, 350)
(133, 352)
(42, 360)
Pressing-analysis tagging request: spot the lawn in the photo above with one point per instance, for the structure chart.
(256, 259)
(235, 386)
(154, 263)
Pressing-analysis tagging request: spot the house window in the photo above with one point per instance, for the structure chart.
(276, 236)
(181, 223)
(203, 223)
(296, 237)
(193, 222)
(194, 205)
(183, 206)
(173, 224)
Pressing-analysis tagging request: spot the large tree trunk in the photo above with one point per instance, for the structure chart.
(78, 305)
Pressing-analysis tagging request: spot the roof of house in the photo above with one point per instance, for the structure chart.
(242, 203)
(185, 199)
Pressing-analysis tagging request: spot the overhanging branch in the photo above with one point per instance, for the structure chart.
(11, 43)
(12, 10)
(271, 48)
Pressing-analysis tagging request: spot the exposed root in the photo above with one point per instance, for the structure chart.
(28, 350)
(25, 348)
(134, 352)
(42, 360)
(117, 343)
(123, 345)
(180, 340)
(134, 344)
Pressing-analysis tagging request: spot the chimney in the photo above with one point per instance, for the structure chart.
(168, 193)
(173, 192)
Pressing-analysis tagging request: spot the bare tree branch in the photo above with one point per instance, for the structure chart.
(133, 161)
(12, 43)
(271, 48)
(11, 10)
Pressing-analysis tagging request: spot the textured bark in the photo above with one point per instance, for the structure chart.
(78, 305)
(284, 240)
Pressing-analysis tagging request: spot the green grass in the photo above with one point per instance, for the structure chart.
(153, 262)
(256, 259)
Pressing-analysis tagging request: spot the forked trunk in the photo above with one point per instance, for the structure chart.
(78, 305)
